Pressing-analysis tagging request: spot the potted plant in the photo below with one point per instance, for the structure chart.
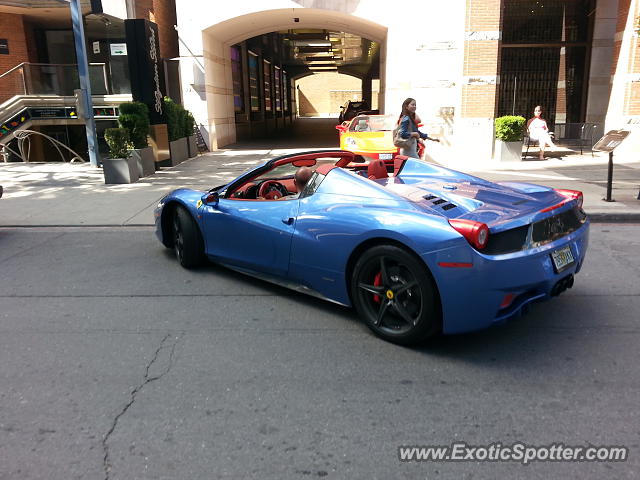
(178, 147)
(189, 131)
(509, 138)
(120, 167)
(134, 117)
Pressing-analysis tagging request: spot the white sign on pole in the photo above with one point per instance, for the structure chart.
(96, 47)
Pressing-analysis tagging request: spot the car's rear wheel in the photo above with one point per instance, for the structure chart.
(187, 240)
(395, 295)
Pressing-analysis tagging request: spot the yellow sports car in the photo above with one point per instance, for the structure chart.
(369, 135)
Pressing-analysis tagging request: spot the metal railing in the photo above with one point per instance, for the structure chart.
(51, 79)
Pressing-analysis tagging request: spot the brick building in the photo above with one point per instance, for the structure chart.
(236, 66)
(465, 64)
(39, 74)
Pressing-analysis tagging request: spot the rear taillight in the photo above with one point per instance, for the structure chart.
(571, 194)
(476, 233)
(568, 196)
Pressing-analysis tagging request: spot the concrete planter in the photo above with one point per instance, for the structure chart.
(120, 170)
(193, 146)
(179, 150)
(508, 151)
(145, 161)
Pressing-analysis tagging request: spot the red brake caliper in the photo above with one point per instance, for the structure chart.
(377, 281)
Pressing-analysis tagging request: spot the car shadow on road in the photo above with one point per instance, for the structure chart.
(215, 270)
(539, 336)
(520, 342)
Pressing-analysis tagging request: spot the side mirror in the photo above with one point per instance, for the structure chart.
(211, 198)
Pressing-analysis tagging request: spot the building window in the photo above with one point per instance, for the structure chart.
(267, 85)
(254, 89)
(277, 89)
(533, 21)
(236, 73)
(544, 58)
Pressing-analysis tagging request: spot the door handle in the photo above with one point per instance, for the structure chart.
(287, 221)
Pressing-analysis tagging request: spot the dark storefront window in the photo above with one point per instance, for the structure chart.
(254, 88)
(540, 21)
(529, 77)
(545, 58)
(267, 85)
(236, 73)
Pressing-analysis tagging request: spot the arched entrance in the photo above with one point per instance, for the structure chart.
(217, 40)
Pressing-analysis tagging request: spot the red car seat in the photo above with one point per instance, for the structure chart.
(377, 169)
(398, 162)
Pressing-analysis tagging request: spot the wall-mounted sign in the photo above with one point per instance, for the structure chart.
(105, 112)
(96, 47)
(15, 123)
(145, 66)
(48, 112)
(4, 46)
(118, 49)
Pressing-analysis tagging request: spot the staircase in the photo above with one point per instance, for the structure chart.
(202, 146)
(42, 94)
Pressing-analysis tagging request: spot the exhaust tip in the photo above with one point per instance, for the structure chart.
(562, 285)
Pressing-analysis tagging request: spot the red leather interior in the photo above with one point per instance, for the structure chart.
(398, 162)
(289, 183)
(325, 168)
(377, 169)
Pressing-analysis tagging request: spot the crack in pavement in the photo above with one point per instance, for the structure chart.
(146, 380)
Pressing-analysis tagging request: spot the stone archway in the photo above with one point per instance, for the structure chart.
(217, 40)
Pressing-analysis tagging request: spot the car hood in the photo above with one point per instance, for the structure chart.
(374, 140)
(500, 205)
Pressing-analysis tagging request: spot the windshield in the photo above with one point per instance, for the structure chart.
(373, 123)
(288, 169)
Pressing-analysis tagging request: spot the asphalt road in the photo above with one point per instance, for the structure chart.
(115, 363)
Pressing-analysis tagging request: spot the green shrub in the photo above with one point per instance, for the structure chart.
(134, 116)
(118, 141)
(510, 128)
(175, 119)
(189, 124)
(180, 122)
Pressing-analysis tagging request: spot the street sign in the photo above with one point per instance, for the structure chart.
(610, 141)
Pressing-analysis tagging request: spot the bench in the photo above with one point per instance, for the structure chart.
(576, 135)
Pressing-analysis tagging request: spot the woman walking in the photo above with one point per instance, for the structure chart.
(408, 129)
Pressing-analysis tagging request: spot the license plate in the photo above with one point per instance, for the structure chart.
(385, 156)
(562, 258)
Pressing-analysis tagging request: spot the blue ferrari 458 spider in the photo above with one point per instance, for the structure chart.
(415, 248)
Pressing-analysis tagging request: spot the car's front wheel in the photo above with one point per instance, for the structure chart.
(395, 295)
(187, 240)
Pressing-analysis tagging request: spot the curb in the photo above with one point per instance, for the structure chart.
(614, 217)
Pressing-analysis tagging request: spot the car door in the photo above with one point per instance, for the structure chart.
(251, 233)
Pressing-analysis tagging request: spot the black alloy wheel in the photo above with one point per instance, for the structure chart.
(187, 240)
(395, 295)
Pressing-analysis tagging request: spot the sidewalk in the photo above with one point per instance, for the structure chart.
(64, 194)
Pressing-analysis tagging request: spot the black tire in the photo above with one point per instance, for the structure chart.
(395, 295)
(187, 239)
